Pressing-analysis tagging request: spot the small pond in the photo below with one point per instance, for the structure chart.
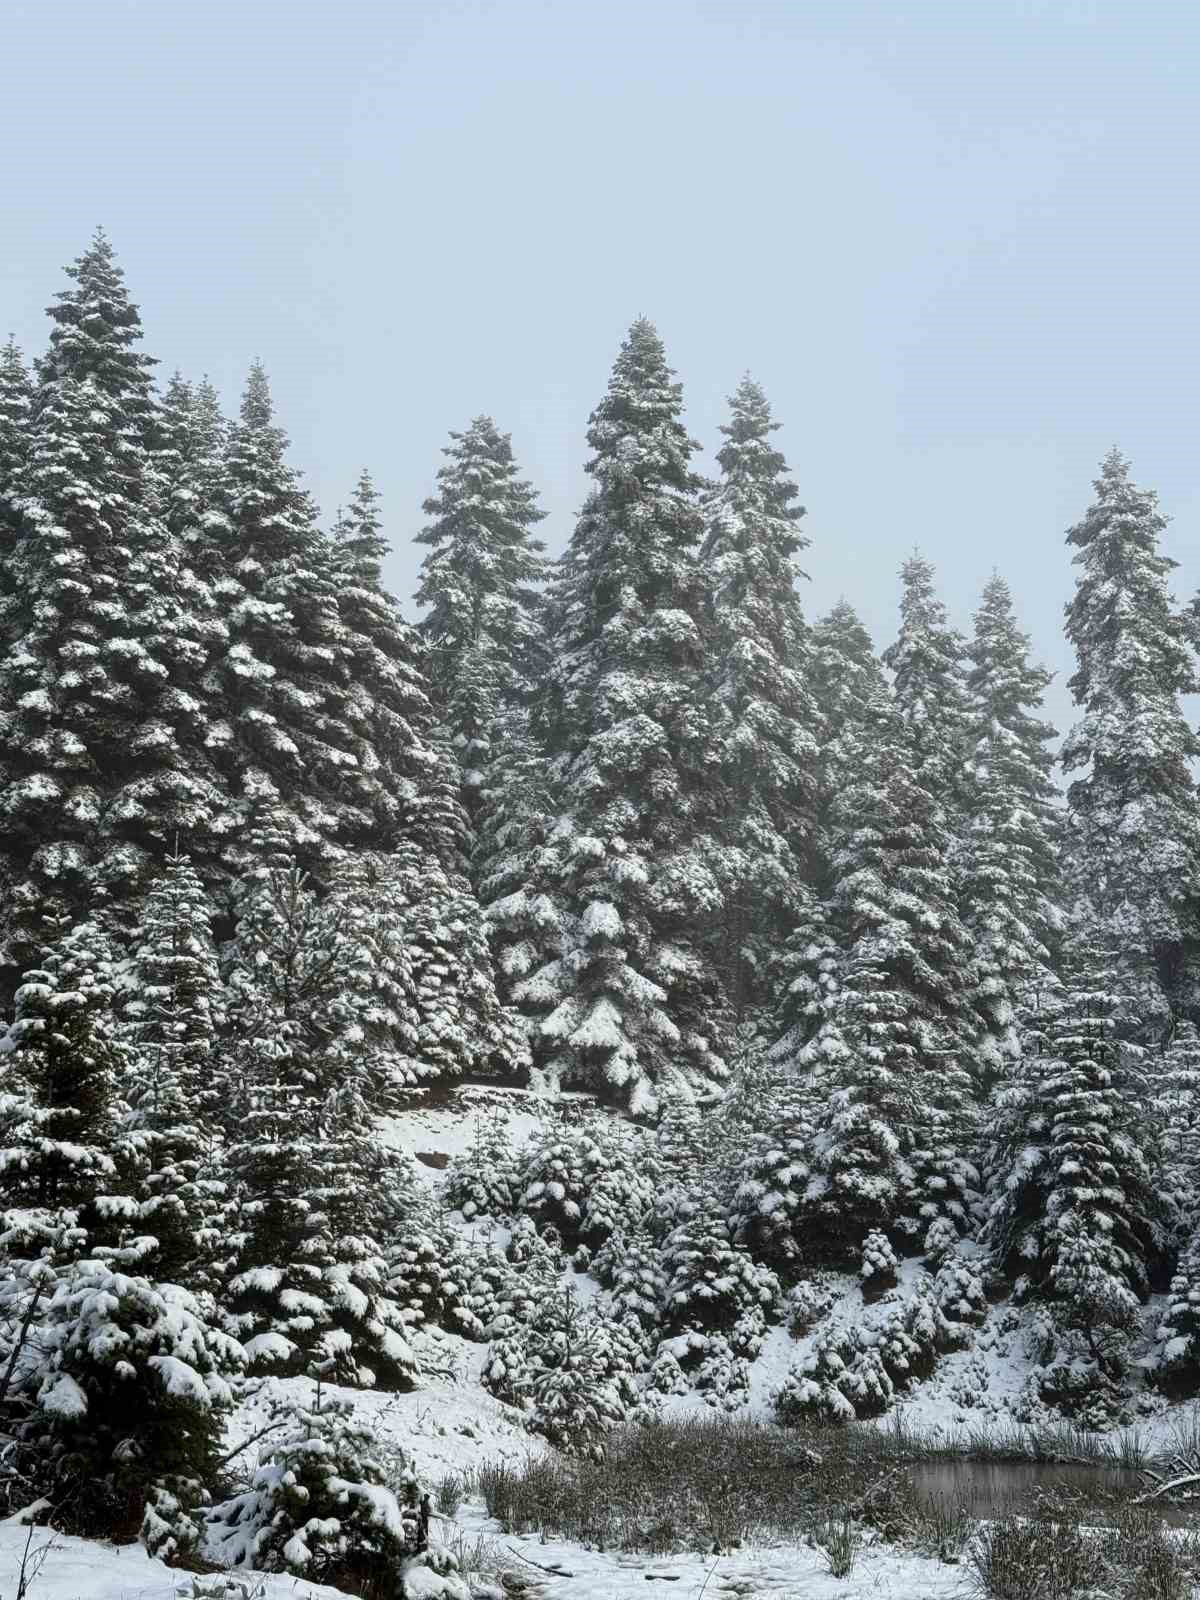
(1003, 1488)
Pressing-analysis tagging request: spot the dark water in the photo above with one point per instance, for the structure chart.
(1002, 1488)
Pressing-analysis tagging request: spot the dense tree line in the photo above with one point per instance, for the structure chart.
(271, 856)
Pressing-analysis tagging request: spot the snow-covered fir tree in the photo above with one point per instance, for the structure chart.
(480, 587)
(1133, 823)
(172, 986)
(1173, 1113)
(59, 1110)
(1075, 1219)
(191, 437)
(846, 680)
(306, 1274)
(386, 698)
(461, 1025)
(15, 402)
(633, 1004)
(1175, 1354)
(763, 742)
(104, 624)
(327, 1504)
(569, 1369)
(173, 1079)
(928, 665)
(883, 1137)
(283, 679)
(512, 858)
(126, 1403)
(358, 534)
(1009, 867)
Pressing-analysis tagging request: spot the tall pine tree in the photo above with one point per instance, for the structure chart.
(765, 718)
(479, 586)
(103, 758)
(1011, 878)
(632, 1004)
(1134, 830)
(928, 665)
(884, 1135)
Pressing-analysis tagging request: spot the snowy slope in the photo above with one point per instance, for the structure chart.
(79, 1569)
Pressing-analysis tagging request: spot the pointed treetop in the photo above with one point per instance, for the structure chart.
(11, 359)
(358, 533)
(636, 430)
(15, 391)
(1122, 595)
(748, 460)
(257, 410)
(96, 325)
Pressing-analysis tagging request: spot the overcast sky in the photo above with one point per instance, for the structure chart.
(955, 240)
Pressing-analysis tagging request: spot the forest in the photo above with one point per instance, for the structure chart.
(827, 968)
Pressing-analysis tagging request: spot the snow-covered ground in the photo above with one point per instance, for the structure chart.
(77, 1569)
(447, 1426)
(450, 1425)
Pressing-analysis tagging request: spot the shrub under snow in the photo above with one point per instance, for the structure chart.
(320, 1505)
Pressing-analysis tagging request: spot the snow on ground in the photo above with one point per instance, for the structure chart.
(450, 1425)
(79, 1569)
(788, 1572)
(446, 1131)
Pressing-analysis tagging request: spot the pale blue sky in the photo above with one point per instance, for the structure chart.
(955, 240)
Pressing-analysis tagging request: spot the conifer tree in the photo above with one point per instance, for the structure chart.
(323, 1505)
(928, 663)
(387, 695)
(1133, 826)
(478, 583)
(175, 1087)
(358, 534)
(15, 403)
(633, 1004)
(847, 680)
(191, 437)
(460, 1024)
(326, 715)
(884, 1134)
(512, 859)
(1174, 1118)
(103, 760)
(1068, 1152)
(59, 1112)
(1010, 875)
(283, 675)
(764, 741)
(846, 677)
(125, 1410)
(15, 395)
(307, 1274)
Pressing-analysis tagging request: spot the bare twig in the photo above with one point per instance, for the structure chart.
(39, 1290)
(1168, 1487)
(271, 1427)
(555, 1572)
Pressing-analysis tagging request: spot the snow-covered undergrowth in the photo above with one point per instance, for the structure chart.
(953, 1363)
(950, 1368)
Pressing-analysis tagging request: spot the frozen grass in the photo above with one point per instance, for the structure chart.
(1063, 1442)
(1054, 1557)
